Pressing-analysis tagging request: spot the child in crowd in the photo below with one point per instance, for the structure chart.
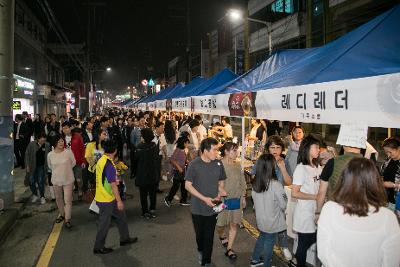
(121, 168)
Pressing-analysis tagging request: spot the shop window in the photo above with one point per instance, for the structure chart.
(276, 11)
(29, 26)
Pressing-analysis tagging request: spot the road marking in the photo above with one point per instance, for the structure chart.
(51, 243)
(250, 229)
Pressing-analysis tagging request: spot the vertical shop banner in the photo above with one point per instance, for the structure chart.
(182, 104)
(239, 62)
(242, 104)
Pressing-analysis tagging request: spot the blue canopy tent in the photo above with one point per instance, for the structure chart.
(217, 80)
(178, 91)
(324, 84)
(369, 50)
(261, 72)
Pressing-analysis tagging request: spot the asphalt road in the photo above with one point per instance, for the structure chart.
(167, 240)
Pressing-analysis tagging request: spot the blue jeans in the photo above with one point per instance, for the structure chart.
(37, 177)
(283, 239)
(264, 247)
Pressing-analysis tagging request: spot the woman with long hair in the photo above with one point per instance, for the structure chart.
(355, 228)
(270, 204)
(275, 146)
(61, 161)
(305, 189)
(94, 150)
(171, 136)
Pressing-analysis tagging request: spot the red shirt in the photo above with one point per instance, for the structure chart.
(78, 148)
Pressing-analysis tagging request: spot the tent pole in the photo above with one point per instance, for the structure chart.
(243, 145)
(389, 133)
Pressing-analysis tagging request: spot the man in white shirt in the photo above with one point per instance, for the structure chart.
(202, 130)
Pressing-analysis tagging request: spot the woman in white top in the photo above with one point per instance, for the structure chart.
(257, 132)
(305, 189)
(171, 135)
(61, 161)
(355, 228)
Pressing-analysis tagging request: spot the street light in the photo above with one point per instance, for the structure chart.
(236, 15)
(91, 78)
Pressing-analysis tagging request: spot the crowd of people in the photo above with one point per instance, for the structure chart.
(344, 204)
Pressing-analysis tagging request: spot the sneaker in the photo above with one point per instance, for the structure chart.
(34, 198)
(129, 241)
(152, 214)
(42, 200)
(287, 254)
(146, 216)
(184, 203)
(254, 263)
(167, 202)
(103, 250)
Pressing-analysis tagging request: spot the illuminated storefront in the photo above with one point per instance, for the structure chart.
(23, 98)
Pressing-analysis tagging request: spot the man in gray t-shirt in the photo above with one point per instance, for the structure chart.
(205, 182)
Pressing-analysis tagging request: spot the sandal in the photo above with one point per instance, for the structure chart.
(68, 225)
(224, 241)
(60, 219)
(232, 255)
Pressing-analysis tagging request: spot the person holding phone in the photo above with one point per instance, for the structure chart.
(205, 182)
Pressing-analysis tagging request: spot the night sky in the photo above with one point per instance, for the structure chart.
(137, 35)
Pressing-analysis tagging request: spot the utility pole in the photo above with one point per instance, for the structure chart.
(6, 97)
(188, 41)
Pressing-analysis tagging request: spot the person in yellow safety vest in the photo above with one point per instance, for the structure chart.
(109, 201)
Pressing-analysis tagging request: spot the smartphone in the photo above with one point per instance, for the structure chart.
(216, 201)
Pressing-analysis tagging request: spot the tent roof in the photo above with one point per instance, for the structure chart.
(178, 91)
(209, 85)
(369, 50)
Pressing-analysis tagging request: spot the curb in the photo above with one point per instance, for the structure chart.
(10, 216)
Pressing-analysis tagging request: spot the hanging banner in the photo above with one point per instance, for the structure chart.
(212, 104)
(374, 101)
(182, 104)
(160, 104)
